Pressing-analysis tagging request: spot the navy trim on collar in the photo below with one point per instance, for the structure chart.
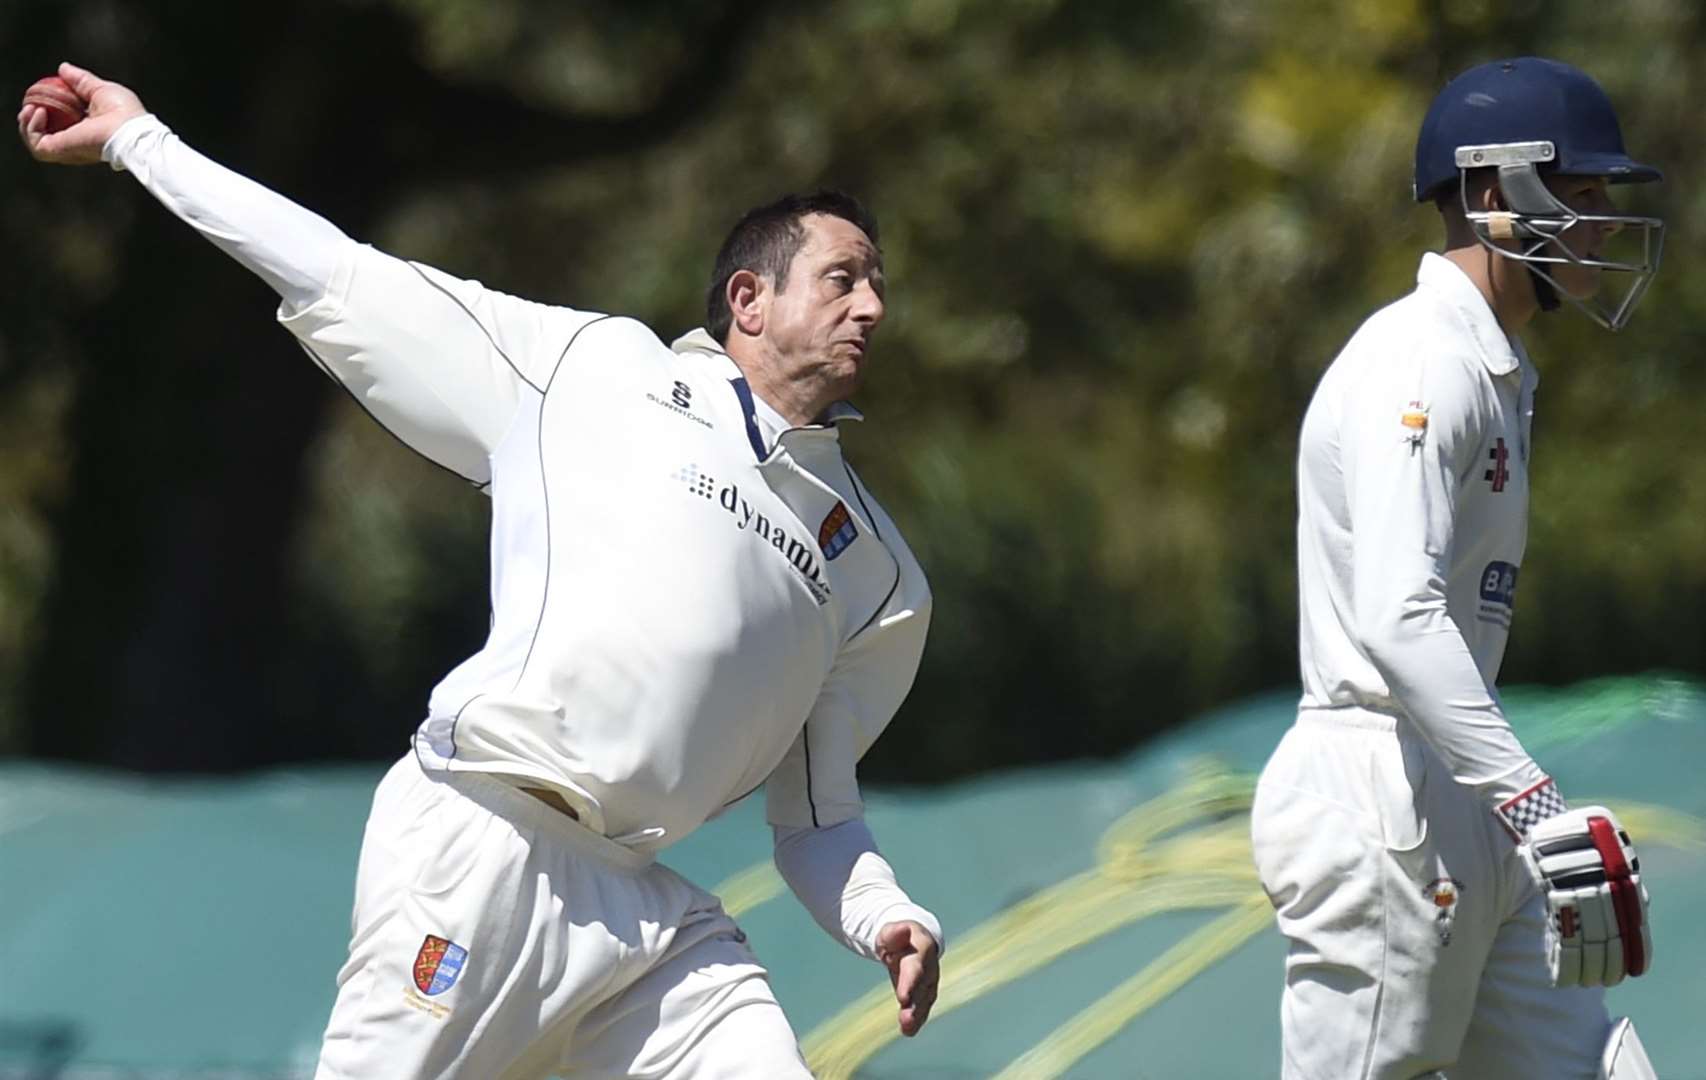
(744, 392)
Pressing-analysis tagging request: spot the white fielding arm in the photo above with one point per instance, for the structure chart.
(846, 884)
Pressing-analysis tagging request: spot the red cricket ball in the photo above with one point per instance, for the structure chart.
(56, 98)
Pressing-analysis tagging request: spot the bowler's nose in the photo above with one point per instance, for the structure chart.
(868, 304)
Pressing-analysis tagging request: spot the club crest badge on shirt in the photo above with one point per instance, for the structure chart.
(837, 531)
(438, 964)
(1414, 421)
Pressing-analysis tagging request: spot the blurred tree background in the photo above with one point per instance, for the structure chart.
(1123, 241)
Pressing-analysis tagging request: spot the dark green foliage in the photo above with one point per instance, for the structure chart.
(1122, 242)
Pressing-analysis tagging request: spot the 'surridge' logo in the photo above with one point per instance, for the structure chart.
(680, 403)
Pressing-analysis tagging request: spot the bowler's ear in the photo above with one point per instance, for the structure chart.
(748, 296)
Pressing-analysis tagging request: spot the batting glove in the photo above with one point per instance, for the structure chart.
(1596, 906)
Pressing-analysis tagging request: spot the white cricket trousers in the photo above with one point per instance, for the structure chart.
(1416, 931)
(495, 937)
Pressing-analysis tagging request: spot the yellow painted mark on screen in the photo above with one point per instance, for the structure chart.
(743, 891)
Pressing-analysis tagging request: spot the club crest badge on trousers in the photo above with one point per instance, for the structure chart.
(1443, 892)
(438, 964)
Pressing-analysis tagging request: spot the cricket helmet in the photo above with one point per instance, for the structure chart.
(1528, 118)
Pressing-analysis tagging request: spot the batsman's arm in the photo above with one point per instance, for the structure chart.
(1403, 497)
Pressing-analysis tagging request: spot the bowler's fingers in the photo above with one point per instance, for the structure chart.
(83, 82)
(54, 148)
(910, 953)
(915, 989)
(32, 124)
(101, 96)
(108, 104)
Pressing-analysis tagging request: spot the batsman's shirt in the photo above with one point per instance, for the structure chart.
(690, 598)
(1412, 519)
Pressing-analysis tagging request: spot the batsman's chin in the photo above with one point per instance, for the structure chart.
(1578, 282)
(1581, 282)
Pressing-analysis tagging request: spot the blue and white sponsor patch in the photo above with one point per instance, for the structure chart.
(1498, 592)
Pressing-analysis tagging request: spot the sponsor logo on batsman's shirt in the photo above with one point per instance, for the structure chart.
(1498, 593)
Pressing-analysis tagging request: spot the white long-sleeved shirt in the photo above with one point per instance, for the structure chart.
(690, 599)
(1412, 519)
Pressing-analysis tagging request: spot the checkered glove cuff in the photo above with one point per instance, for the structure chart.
(1523, 812)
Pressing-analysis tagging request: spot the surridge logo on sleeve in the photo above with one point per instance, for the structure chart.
(680, 402)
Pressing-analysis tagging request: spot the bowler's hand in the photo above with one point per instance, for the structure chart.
(109, 105)
(909, 952)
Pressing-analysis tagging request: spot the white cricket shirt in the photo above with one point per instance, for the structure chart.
(1412, 518)
(676, 587)
(690, 599)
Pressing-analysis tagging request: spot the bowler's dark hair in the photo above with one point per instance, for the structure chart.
(765, 241)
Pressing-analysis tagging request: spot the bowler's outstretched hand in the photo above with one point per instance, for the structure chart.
(109, 105)
(910, 954)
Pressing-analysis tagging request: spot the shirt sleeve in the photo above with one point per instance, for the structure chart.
(849, 888)
(816, 783)
(823, 848)
(439, 361)
(291, 248)
(1403, 496)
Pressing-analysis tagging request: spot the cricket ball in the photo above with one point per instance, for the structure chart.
(56, 98)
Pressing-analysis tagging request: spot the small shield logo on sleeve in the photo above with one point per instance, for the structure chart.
(837, 531)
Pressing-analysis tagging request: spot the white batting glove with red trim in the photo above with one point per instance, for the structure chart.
(1596, 925)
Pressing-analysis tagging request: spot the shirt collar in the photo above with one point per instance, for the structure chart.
(770, 423)
(1446, 280)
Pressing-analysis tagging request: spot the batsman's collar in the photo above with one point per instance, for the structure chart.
(1446, 280)
(701, 343)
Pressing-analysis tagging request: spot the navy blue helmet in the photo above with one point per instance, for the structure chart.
(1528, 118)
(1525, 100)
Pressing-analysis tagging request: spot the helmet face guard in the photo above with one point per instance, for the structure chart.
(1538, 222)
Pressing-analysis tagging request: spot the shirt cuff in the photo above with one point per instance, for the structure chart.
(1526, 809)
(914, 913)
(122, 143)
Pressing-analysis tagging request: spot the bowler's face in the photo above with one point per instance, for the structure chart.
(820, 325)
